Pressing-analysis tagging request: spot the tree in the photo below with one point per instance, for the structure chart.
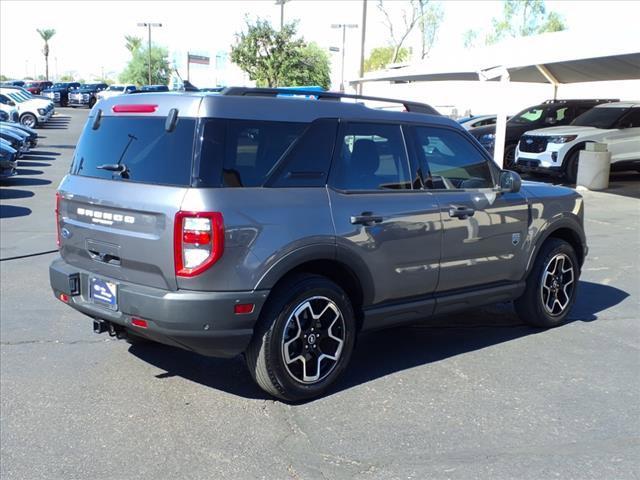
(277, 58)
(67, 77)
(431, 15)
(132, 43)
(412, 15)
(137, 70)
(3, 78)
(380, 57)
(521, 18)
(46, 35)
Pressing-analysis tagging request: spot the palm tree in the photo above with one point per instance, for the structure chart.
(132, 43)
(46, 35)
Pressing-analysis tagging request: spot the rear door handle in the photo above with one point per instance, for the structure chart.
(461, 212)
(366, 218)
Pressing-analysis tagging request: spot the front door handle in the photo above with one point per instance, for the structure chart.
(366, 218)
(461, 212)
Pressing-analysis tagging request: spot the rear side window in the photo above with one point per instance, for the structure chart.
(370, 156)
(143, 149)
(242, 153)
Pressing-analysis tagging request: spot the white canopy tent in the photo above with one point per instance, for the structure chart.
(554, 58)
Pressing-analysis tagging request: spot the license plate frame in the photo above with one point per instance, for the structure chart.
(103, 293)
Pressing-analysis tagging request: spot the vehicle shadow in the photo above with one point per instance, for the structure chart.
(11, 211)
(26, 171)
(22, 163)
(25, 182)
(59, 123)
(43, 152)
(11, 193)
(382, 353)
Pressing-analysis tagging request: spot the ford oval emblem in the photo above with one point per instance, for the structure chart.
(66, 234)
(529, 141)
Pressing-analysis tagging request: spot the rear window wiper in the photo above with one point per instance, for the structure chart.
(120, 168)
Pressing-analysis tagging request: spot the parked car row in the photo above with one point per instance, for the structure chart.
(24, 107)
(542, 138)
(15, 140)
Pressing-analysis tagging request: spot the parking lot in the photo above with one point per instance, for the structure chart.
(469, 396)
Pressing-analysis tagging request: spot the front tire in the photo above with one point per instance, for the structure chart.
(571, 169)
(29, 120)
(303, 340)
(551, 286)
(509, 157)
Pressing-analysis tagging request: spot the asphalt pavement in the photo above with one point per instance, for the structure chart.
(477, 396)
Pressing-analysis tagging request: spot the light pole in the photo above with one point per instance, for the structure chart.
(344, 27)
(281, 3)
(149, 25)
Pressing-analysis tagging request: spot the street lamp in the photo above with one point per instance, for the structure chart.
(149, 25)
(344, 27)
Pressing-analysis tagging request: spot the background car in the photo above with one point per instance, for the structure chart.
(8, 159)
(86, 95)
(33, 111)
(114, 90)
(556, 150)
(547, 114)
(153, 88)
(59, 92)
(478, 121)
(36, 87)
(10, 111)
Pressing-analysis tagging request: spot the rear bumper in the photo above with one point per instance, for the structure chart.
(203, 322)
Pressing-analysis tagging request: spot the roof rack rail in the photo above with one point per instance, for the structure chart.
(564, 100)
(409, 106)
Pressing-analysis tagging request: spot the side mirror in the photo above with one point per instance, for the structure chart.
(11, 103)
(510, 182)
(550, 120)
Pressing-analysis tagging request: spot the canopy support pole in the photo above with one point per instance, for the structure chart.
(550, 78)
(501, 123)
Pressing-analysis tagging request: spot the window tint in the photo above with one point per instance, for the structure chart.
(370, 157)
(249, 149)
(631, 119)
(141, 146)
(450, 160)
(307, 163)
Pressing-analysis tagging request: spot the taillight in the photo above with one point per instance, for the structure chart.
(58, 218)
(198, 241)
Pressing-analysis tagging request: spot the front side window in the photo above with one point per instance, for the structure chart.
(370, 157)
(530, 116)
(449, 161)
(631, 119)
(600, 117)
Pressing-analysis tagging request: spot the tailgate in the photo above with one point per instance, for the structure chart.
(120, 230)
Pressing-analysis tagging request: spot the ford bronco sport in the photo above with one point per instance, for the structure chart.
(281, 227)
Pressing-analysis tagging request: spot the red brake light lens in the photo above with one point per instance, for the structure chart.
(198, 241)
(135, 108)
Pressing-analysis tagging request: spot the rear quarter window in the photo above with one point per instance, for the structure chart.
(149, 153)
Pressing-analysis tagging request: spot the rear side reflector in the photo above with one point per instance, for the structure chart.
(138, 322)
(135, 108)
(198, 241)
(243, 308)
(64, 297)
(58, 219)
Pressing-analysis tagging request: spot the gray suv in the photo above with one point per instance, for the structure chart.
(265, 222)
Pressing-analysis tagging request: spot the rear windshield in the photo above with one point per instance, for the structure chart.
(136, 149)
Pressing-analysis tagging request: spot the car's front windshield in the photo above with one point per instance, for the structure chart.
(115, 88)
(602, 117)
(529, 116)
(17, 98)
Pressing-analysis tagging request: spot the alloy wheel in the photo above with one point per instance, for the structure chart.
(313, 340)
(558, 283)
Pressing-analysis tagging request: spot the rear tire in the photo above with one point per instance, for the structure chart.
(304, 338)
(551, 286)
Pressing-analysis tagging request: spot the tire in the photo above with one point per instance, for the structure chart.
(533, 306)
(92, 102)
(571, 167)
(29, 120)
(284, 326)
(509, 157)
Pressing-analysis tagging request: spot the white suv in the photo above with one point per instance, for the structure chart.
(113, 90)
(555, 150)
(33, 111)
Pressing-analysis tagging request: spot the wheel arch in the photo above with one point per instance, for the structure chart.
(566, 229)
(576, 148)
